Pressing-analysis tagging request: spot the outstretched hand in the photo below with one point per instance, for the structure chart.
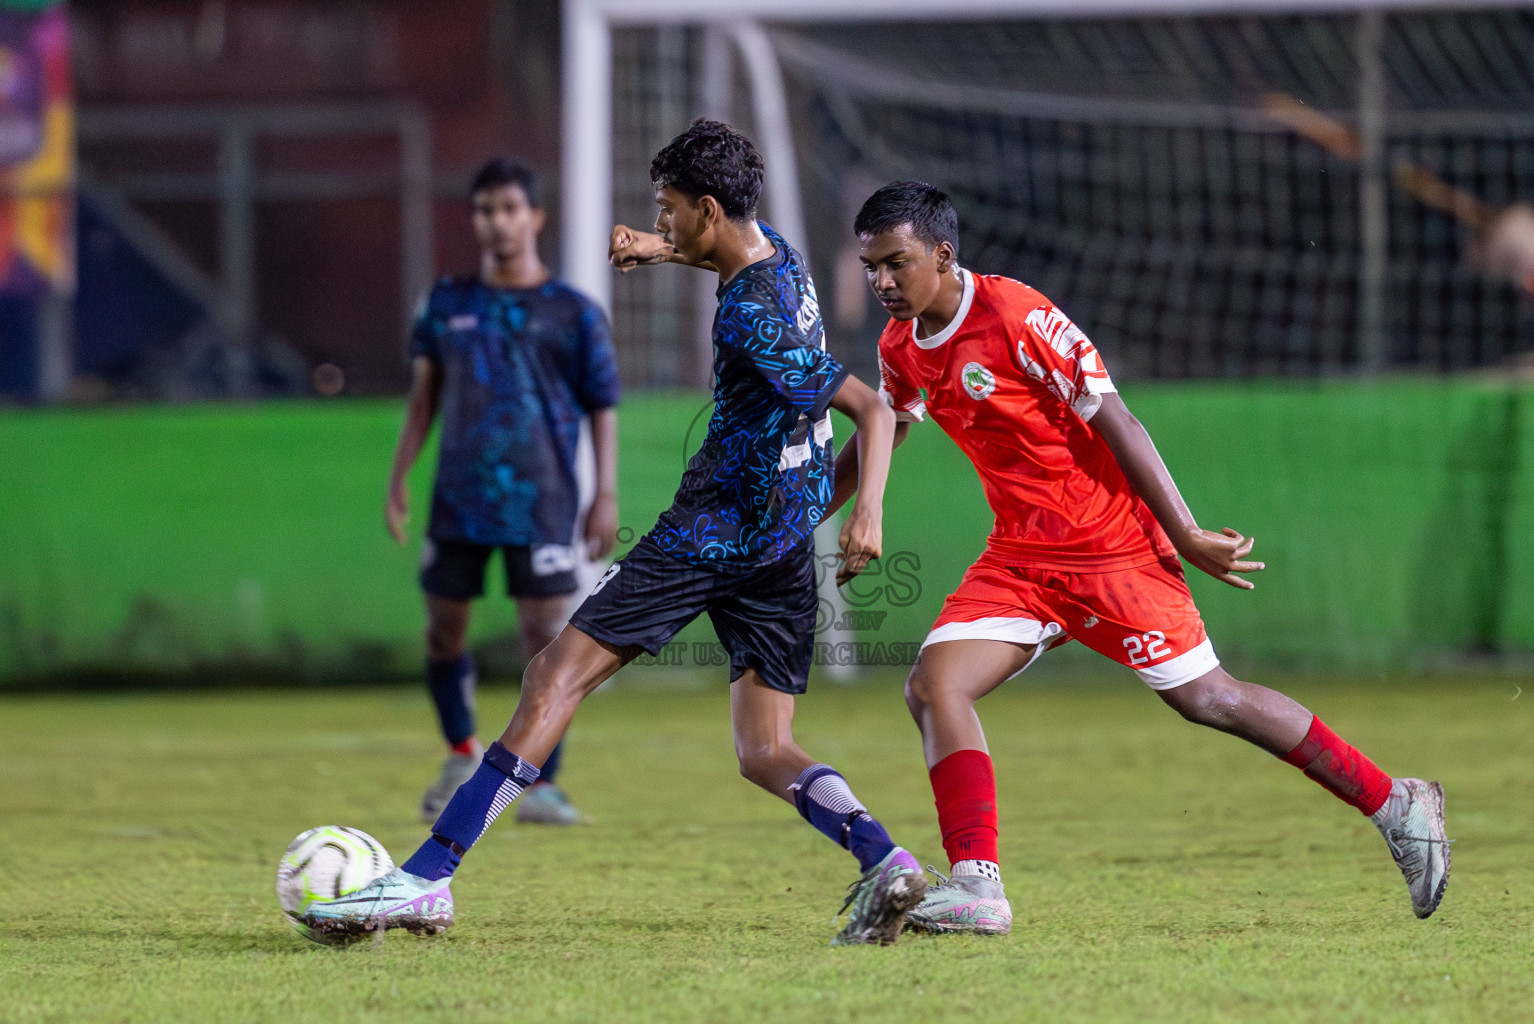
(861, 541)
(1221, 555)
(627, 248)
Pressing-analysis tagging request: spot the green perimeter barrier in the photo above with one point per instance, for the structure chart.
(1396, 520)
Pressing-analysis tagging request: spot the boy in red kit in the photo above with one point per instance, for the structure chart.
(1089, 530)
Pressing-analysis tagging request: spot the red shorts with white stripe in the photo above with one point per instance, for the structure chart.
(1143, 618)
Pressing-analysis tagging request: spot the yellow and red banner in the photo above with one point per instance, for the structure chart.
(36, 151)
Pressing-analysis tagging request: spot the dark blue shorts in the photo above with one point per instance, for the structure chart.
(765, 617)
(455, 569)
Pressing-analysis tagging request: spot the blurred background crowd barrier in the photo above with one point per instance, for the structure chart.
(1301, 238)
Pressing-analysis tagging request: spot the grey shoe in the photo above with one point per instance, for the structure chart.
(1412, 823)
(963, 903)
(546, 804)
(456, 770)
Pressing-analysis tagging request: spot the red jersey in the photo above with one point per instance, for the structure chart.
(1014, 382)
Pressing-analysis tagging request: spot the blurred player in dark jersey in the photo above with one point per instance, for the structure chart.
(1089, 529)
(736, 544)
(511, 361)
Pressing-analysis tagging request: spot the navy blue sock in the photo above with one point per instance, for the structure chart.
(451, 683)
(551, 766)
(867, 839)
(500, 779)
(826, 801)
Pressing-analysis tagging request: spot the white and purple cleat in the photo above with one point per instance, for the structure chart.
(395, 900)
(877, 903)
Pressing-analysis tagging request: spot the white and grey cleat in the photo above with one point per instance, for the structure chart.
(397, 900)
(546, 804)
(1412, 823)
(963, 903)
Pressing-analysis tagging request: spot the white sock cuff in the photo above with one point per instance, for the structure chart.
(824, 786)
(981, 868)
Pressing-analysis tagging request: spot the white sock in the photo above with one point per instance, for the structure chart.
(1388, 810)
(982, 868)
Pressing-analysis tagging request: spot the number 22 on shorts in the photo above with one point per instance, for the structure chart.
(1146, 647)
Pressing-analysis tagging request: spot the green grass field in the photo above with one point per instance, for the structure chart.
(1157, 872)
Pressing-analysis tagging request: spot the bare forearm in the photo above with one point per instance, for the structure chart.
(848, 461)
(846, 475)
(420, 410)
(701, 264)
(866, 458)
(1222, 555)
(875, 443)
(1142, 465)
(604, 443)
(1150, 479)
(419, 414)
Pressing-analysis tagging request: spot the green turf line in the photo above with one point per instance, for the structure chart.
(1395, 518)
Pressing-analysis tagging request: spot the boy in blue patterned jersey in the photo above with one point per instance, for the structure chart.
(736, 544)
(512, 360)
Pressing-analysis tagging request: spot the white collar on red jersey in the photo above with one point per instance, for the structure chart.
(941, 337)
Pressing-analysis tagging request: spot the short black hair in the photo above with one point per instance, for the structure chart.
(712, 159)
(925, 207)
(501, 171)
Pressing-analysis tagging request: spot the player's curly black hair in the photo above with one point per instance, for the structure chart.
(925, 207)
(712, 159)
(504, 171)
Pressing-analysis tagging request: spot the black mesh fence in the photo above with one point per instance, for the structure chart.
(1134, 171)
(1139, 172)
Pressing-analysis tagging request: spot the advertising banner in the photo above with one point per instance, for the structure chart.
(36, 151)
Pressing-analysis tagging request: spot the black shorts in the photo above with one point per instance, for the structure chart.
(455, 569)
(764, 617)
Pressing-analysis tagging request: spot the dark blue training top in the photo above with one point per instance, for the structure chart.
(759, 485)
(520, 367)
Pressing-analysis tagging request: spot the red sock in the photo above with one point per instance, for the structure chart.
(467, 747)
(1340, 768)
(964, 788)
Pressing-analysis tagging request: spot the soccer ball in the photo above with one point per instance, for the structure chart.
(326, 863)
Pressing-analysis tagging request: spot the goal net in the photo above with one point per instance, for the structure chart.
(1150, 175)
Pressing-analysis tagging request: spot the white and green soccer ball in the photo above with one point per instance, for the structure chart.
(327, 863)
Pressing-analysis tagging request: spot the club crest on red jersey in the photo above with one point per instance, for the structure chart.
(978, 381)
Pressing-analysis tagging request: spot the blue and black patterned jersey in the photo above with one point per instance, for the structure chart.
(759, 485)
(520, 367)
